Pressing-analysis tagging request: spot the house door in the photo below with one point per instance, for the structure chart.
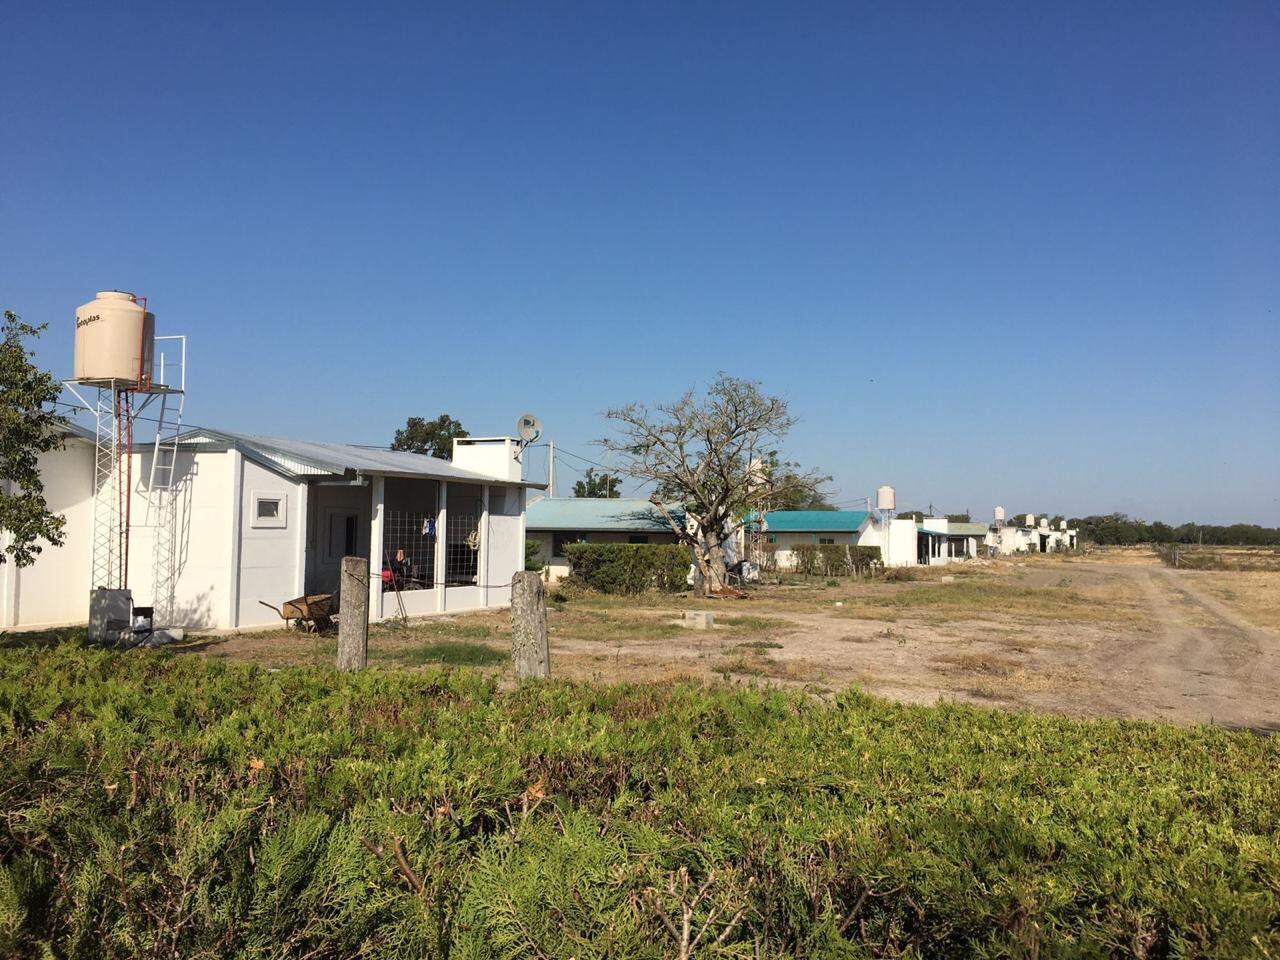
(343, 533)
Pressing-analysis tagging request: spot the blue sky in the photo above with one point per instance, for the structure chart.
(990, 253)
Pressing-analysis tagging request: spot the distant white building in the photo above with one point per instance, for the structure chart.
(269, 519)
(1037, 536)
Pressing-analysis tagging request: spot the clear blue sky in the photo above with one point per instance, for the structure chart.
(991, 253)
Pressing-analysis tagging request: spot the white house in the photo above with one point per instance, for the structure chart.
(262, 519)
(1031, 536)
(554, 522)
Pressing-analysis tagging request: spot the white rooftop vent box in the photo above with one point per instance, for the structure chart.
(492, 456)
(115, 341)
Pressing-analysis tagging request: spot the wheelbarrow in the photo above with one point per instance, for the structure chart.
(314, 611)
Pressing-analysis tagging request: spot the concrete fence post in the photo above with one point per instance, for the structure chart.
(353, 616)
(529, 648)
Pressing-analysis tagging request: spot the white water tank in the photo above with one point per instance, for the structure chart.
(1044, 523)
(1062, 525)
(1031, 519)
(999, 514)
(115, 340)
(886, 498)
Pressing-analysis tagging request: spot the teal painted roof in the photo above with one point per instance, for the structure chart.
(624, 514)
(811, 521)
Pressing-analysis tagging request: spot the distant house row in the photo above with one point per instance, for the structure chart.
(554, 522)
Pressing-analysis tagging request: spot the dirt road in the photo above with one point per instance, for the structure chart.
(1200, 662)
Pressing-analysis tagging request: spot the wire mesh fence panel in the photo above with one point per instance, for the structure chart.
(409, 539)
(462, 549)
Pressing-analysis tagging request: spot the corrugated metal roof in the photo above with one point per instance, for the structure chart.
(309, 458)
(623, 514)
(956, 529)
(812, 521)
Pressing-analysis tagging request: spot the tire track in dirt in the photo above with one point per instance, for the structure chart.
(1225, 672)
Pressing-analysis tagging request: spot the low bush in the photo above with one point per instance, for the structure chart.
(629, 567)
(156, 805)
(833, 560)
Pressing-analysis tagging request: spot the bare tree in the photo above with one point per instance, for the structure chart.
(710, 453)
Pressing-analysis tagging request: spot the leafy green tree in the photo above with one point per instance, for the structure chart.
(27, 429)
(431, 437)
(603, 486)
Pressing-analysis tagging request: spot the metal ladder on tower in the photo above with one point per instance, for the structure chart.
(163, 483)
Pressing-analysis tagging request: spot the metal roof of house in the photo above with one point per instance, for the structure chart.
(812, 521)
(623, 514)
(303, 458)
(956, 529)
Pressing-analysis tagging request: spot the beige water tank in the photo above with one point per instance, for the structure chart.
(115, 340)
(1031, 519)
(1044, 523)
(1062, 524)
(886, 498)
(999, 514)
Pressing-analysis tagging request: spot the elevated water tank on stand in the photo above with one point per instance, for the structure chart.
(886, 499)
(115, 341)
(999, 515)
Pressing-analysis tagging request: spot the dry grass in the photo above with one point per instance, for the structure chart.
(985, 598)
(1255, 595)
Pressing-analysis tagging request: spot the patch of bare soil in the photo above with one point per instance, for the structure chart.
(1084, 636)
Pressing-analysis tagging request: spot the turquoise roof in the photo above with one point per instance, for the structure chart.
(623, 514)
(812, 521)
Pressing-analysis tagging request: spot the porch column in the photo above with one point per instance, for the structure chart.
(302, 521)
(482, 566)
(379, 488)
(442, 553)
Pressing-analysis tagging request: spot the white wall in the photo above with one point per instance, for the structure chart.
(902, 541)
(783, 543)
(204, 534)
(55, 589)
(269, 555)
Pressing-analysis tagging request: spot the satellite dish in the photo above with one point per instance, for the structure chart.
(529, 428)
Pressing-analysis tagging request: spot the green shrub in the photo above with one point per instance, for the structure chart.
(833, 560)
(161, 805)
(629, 567)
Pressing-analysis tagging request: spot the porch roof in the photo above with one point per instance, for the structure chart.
(306, 458)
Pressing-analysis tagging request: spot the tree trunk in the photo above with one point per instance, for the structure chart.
(529, 649)
(711, 565)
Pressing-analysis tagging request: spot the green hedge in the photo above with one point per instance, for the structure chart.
(165, 806)
(630, 567)
(833, 560)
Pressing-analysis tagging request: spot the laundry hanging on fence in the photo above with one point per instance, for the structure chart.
(428, 526)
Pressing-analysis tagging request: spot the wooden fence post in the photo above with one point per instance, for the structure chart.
(353, 616)
(529, 647)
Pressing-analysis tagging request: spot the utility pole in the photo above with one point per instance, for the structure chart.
(551, 468)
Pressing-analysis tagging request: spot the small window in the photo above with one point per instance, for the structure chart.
(560, 540)
(826, 541)
(773, 538)
(268, 510)
(637, 538)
